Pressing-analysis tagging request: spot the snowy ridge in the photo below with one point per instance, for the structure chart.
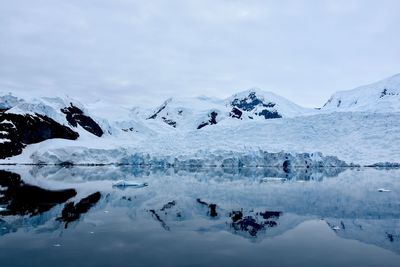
(281, 105)
(205, 130)
(47, 106)
(382, 96)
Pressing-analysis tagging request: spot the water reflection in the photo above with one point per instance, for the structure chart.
(19, 198)
(248, 203)
(214, 173)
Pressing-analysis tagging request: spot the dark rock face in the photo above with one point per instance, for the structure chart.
(385, 92)
(169, 122)
(168, 205)
(72, 212)
(253, 224)
(269, 114)
(247, 224)
(167, 212)
(250, 103)
(270, 214)
(152, 117)
(76, 116)
(212, 208)
(213, 120)
(22, 130)
(130, 129)
(158, 218)
(24, 199)
(236, 113)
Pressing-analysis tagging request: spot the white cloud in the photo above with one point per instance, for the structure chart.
(131, 50)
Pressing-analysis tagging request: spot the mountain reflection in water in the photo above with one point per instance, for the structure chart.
(256, 205)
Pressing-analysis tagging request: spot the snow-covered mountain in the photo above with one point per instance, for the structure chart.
(28, 122)
(250, 128)
(382, 96)
(253, 104)
(256, 103)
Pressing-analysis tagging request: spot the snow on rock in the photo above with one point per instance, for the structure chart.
(196, 113)
(255, 103)
(209, 131)
(382, 96)
(188, 113)
(348, 136)
(65, 111)
(76, 116)
(28, 129)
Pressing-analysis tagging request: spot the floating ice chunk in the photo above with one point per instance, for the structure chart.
(123, 184)
(2, 209)
(57, 245)
(383, 190)
(335, 228)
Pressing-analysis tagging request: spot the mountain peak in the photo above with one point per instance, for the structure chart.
(381, 96)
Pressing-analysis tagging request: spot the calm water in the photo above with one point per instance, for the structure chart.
(199, 217)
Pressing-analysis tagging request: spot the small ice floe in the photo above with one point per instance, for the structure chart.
(2, 209)
(273, 180)
(91, 233)
(383, 190)
(106, 211)
(335, 228)
(57, 245)
(123, 184)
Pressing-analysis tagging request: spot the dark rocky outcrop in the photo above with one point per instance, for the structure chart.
(21, 130)
(269, 114)
(168, 205)
(158, 111)
(76, 116)
(161, 215)
(165, 118)
(212, 208)
(20, 198)
(72, 212)
(236, 113)
(169, 122)
(158, 218)
(212, 120)
(270, 214)
(385, 92)
(250, 103)
(253, 224)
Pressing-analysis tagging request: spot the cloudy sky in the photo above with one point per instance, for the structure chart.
(130, 51)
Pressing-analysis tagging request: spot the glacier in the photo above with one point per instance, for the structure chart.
(252, 128)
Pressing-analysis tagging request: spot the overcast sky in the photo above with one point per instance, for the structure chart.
(129, 51)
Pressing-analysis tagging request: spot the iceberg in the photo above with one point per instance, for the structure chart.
(383, 190)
